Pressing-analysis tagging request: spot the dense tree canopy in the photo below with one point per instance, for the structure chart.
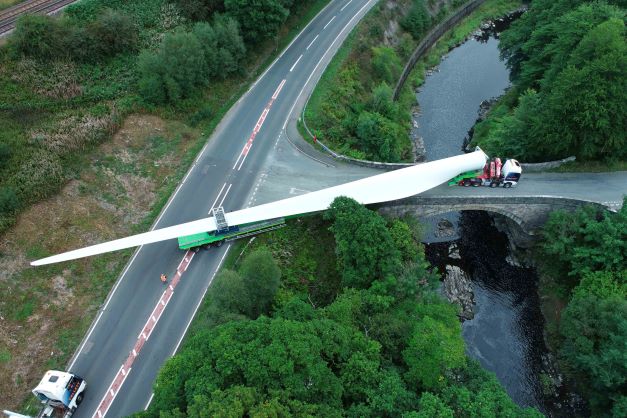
(364, 245)
(569, 66)
(186, 61)
(585, 253)
(372, 352)
(259, 19)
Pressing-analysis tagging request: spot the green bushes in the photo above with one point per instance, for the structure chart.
(418, 20)
(259, 19)
(8, 201)
(175, 71)
(47, 38)
(186, 60)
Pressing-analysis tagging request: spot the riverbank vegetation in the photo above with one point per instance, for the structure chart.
(346, 323)
(584, 254)
(568, 62)
(82, 150)
(351, 110)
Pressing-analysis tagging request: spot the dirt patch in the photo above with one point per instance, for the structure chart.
(45, 311)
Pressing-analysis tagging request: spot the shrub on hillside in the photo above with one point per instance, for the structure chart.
(594, 328)
(418, 20)
(386, 65)
(5, 154)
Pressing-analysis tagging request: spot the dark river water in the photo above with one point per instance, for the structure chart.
(506, 334)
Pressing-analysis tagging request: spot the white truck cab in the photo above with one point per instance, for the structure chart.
(60, 390)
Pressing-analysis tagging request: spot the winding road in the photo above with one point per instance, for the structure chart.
(143, 322)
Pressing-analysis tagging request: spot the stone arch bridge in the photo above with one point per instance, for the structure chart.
(525, 208)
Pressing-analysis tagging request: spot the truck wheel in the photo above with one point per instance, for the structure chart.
(494, 184)
(79, 399)
(507, 185)
(466, 183)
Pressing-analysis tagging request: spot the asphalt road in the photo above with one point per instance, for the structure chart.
(225, 173)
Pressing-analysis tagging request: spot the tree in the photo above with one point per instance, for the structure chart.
(575, 244)
(386, 65)
(222, 45)
(432, 406)
(476, 393)
(594, 328)
(434, 349)
(261, 277)
(175, 71)
(380, 136)
(584, 106)
(259, 19)
(364, 246)
(417, 20)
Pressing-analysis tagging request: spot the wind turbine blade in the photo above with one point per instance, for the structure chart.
(384, 187)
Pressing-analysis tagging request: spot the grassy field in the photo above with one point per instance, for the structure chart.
(113, 186)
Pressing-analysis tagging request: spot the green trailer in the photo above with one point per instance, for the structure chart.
(467, 175)
(228, 233)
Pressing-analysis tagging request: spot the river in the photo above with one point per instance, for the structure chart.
(506, 333)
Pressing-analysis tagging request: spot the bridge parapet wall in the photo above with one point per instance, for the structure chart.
(530, 213)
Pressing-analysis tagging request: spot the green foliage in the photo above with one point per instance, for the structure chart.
(250, 291)
(261, 276)
(46, 38)
(111, 34)
(594, 328)
(222, 45)
(248, 364)
(36, 36)
(575, 244)
(175, 71)
(351, 109)
(386, 64)
(259, 19)
(418, 20)
(379, 136)
(186, 60)
(365, 249)
(432, 407)
(8, 200)
(434, 349)
(200, 9)
(574, 57)
(476, 393)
